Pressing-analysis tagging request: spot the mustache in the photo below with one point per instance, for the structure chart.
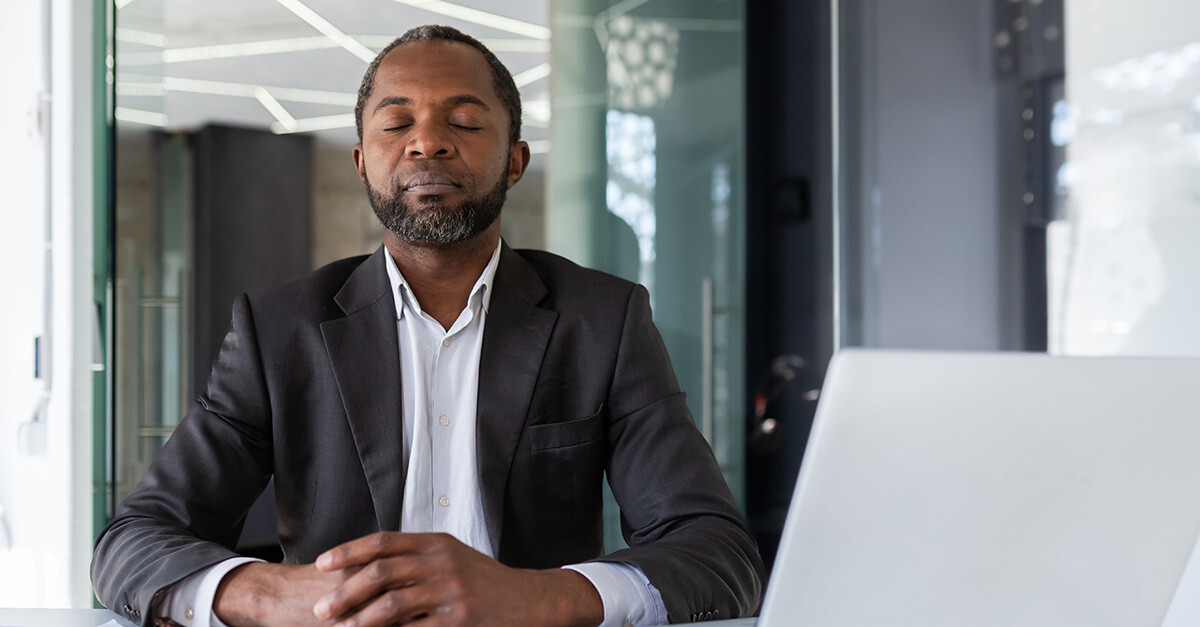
(428, 177)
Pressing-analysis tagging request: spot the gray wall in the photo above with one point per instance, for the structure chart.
(927, 170)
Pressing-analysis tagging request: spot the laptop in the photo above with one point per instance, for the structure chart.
(995, 489)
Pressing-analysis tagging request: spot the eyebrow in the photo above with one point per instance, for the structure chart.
(404, 101)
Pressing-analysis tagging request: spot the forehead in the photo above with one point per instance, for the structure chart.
(432, 67)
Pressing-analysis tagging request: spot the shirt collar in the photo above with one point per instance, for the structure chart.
(403, 293)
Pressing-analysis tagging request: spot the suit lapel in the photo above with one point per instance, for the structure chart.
(515, 335)
(362, 348)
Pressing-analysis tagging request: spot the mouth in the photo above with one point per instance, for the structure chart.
(430, 183)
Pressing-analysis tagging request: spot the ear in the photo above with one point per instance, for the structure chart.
(358, 162)
(518, 160)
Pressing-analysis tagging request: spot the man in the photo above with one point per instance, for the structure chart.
(466, 394)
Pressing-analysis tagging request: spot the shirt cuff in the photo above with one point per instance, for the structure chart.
(629, 599)
(190, 601)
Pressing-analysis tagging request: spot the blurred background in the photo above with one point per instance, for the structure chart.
(785, 177)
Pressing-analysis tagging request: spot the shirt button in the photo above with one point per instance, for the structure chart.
(444, 501)
(445, 422)
(188, 614)
(447, 342)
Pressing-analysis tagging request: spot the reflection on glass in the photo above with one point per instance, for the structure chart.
(646, 183)
(151, 239)
(1123, 274)
(641, 56)
(630, 146)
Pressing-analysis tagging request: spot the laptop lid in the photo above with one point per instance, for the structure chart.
(994, 489)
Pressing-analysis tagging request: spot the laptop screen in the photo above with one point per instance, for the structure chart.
(993, 488)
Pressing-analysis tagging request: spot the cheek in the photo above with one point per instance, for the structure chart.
(383, 158)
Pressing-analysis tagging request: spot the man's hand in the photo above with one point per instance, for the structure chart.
(433, 579)
(259, 593)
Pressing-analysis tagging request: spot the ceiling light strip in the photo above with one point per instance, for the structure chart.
(213, 88)
(129, 35)
(327, 29)
(279, 46)
(315, 96)
(534, 73)
(483, 18)
(275, 108)
(539, 146)
(247, 49)
(138, 116)
(536, 46)
(245, 90)
(495, 44)
(536, 113)
(321, 123)
(129, 59)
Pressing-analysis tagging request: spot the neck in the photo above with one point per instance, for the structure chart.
(441, 277)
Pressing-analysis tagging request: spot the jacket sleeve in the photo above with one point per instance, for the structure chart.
(219, 457)
(677, 513)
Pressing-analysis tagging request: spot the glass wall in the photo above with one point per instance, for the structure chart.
(151, 255)
(281, 80)
(1018, 174)
(644, 124)
(1125, 277)
(646, 182)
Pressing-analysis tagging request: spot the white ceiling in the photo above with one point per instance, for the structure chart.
(182, 64)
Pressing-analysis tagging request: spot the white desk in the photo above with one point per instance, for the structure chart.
(58, 618)
(95, 618)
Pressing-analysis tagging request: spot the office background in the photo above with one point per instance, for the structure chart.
(785, 177)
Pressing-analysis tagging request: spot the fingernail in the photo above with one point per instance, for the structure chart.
(321, 609)
(323, 561)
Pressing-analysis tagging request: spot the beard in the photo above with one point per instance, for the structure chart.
(430, 222)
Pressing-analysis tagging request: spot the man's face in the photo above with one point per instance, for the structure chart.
(435, 154)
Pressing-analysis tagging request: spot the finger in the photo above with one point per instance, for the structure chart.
(370, 581)
(401, 605)
(363, 550)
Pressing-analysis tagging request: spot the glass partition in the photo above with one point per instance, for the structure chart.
(151, 236)
(201, 84)
(646, 182)
(266, 75)
(645, 132)
(1124, 275)
(1018, 174)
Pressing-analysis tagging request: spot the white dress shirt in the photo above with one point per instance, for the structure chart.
(439, 379)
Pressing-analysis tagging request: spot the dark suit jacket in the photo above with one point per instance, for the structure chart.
(574, 381)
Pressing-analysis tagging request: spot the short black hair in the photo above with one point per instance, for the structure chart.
(502, 80)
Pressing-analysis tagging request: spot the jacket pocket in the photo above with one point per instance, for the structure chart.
(555, 435)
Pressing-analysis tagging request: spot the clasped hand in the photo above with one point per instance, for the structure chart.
(391, 578)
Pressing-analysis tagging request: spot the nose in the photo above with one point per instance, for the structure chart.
(429, 139)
